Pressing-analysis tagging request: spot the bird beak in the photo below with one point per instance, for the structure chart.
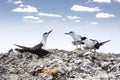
(67, 33)
(50, 31)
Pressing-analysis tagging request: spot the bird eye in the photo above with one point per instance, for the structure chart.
(71, 31)
(45, 33)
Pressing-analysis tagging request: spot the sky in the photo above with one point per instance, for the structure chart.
(24, 21)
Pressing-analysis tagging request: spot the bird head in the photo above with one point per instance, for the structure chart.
(70, 33)
(47, 33)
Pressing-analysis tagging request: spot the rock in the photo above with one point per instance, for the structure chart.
(3, 70)
(60, 65)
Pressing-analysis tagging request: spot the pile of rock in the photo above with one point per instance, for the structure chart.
(60, 65)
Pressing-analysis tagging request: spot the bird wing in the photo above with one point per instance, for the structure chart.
(38, 46)
(23, 47)
(22, 50)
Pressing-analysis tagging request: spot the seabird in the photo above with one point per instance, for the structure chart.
(38, 49)
(76, 39)
(92, 44)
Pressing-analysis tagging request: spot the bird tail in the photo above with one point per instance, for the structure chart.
(102, 43)
(23, 47)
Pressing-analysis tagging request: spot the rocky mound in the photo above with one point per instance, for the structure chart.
(60, 65)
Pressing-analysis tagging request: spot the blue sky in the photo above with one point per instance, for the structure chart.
(24, 21)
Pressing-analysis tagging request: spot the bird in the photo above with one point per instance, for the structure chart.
(39, 49)
(76, 39)
(92, 43)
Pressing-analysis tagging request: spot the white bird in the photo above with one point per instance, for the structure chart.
(38, 49)
(44, 39)
(76, 38)
(92, 44)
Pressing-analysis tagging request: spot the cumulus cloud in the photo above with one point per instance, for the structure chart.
(18, 2)
(73, 17)
(85, 8)
(32, 19)
(102, 1)
(93, 23)
(27, 8)
(104, 15)
(21, 5)
(117, 1)
(49, 15)
(77, 20)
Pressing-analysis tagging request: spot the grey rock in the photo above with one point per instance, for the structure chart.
(60, 65)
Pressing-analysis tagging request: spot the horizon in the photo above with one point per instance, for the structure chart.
(24, 21)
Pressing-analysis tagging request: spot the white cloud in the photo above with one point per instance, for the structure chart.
(102, 1)
(77, 20)
(73, 17)
(49, 15)
(84, 8)
(104, 15)
(117, 1)
(21, 5)
(18, 2)
(32, 19)
(27, 8)
(93, 23)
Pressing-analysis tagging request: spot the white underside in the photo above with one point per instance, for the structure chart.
(89, 43)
